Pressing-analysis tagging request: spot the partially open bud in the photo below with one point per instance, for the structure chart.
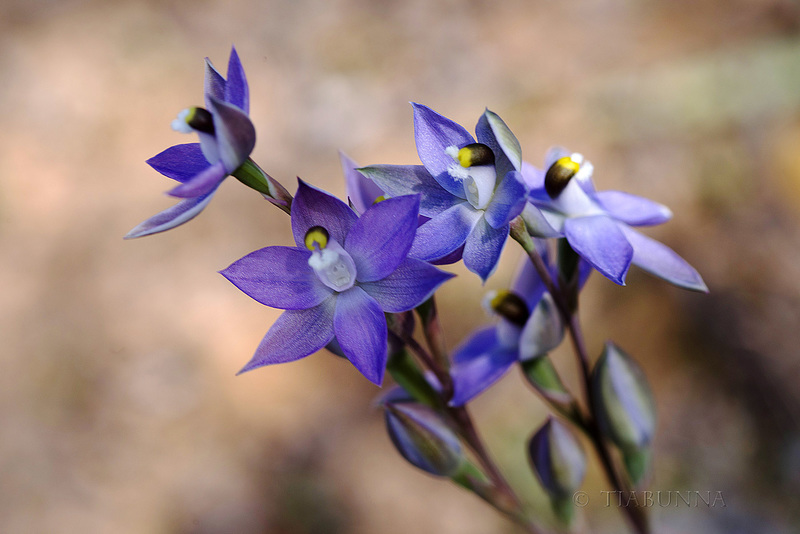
(508, 305)
(423, 438)
(560, 173)
(623, 401)
(557, 458)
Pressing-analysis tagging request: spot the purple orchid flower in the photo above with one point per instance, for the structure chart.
(227, 137)
(564, 203)
(344, 273)
(529, 327)
(470, 190)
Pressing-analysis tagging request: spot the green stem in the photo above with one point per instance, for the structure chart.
(636, 515)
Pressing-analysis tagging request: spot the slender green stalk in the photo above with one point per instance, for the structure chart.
(636, 515)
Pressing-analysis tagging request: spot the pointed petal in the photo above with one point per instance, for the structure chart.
(380, 239)
(507, 201)
(478, 364)
(444, 233)
(296, 334)
(483, 248)
(527, 283)
(433, 134)
(180, 162)
(543, 331)
(411, 284)
(361, 190)
(279, 277)
(178, 214)
(235, 133)
(236, 90)
(214, 83)
(399, 180)
(314, 207)
(201, 184)
(532, 176)
(660, 260)
(632, 209)
(360, 327)
(599, 240)
(493, 132)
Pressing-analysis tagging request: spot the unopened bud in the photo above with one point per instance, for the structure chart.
(623, 400)
(557, 458)
(423, 438)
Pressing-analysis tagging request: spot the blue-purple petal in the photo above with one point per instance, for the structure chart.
(294, 335)
(600, 241)
(483, 248)
(527, 282)
(214, 83)
(398, 180)
(361, 190)
(660, 260)
(411, 284)
(235, 133)
(201, 184)
(507, 201)
(445, 233)
(494, 133)
(632, 209)
(236, 90)
(434, 133)
(180, 162)
(178, 214)
(479, 363)
(279, 277)
(313, 207)
(381, 238)
(360, 328)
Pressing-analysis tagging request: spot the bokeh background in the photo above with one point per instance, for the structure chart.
(119, 408)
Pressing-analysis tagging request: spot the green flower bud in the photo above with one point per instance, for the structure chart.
(423, 438)
(557, 458)
(623, 401)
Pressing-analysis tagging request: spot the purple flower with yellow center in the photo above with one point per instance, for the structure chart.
(227, 137)
(470, 189)
(529, 327)
(344, 273)
(598, 225)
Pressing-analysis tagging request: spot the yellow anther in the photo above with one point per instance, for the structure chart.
(379, 199)
(316, 238)
(559, 174)
(508, 304)
(475, 154)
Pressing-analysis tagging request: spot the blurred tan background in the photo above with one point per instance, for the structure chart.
(120, 409)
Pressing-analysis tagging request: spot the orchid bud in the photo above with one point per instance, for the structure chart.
(623, 402)
(557, 458)
(423, 438)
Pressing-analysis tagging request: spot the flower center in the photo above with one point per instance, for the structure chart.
(507, 305)
(331, 263)
(560, 173)
(194, 119)
(473, 164)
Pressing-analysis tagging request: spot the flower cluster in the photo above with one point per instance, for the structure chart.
(357, 269)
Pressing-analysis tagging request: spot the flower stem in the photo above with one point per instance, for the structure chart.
(635, 514)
